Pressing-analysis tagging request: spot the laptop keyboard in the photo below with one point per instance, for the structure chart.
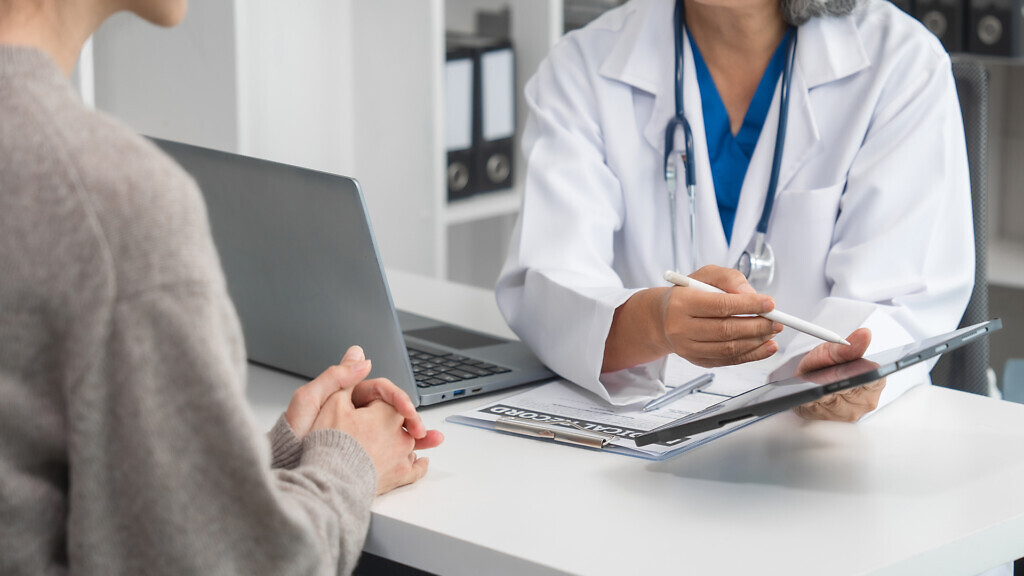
(436, 369)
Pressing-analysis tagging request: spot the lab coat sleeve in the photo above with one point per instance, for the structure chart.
(902, 255)
(558, 290)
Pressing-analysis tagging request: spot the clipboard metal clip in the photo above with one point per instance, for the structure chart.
(574, 435)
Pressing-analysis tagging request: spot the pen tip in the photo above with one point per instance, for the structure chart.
(845, 341)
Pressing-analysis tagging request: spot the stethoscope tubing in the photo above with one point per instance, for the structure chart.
(679, 121)
(780, 135)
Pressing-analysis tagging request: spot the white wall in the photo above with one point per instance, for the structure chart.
(187, 73)
(295, 89)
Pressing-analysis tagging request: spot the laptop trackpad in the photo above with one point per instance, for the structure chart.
(453, 337)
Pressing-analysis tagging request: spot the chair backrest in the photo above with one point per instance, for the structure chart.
(967, 368)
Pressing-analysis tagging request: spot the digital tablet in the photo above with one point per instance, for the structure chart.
(792, 392)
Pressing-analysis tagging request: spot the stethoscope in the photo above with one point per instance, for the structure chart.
(757, 262)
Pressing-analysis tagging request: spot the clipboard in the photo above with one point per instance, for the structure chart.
(564, 413)
(561, 412)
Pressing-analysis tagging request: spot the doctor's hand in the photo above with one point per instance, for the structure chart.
(704, 328)
(848, 405)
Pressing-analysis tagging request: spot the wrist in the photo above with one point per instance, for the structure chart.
(285, 445)
(657, 314)
(637, 334)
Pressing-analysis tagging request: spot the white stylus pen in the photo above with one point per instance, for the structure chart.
(775, 315)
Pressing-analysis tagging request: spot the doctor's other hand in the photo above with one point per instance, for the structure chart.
(705, 328)
(848, 405)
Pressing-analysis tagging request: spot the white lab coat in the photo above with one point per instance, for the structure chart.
(871, 224)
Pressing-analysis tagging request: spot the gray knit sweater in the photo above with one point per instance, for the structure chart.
(126, 445)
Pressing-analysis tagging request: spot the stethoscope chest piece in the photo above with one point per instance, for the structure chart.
(757, 262)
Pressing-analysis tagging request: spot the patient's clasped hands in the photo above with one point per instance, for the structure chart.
(376, 413)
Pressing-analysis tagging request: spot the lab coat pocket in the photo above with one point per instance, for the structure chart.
(803, 222)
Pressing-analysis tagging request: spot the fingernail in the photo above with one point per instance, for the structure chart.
(353, 354)
(776, 327)
(360, 366)
(768, 305)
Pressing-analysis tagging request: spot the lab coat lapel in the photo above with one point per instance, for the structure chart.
(643, 57)
(828, 49)
(712, 246)
(755, 183)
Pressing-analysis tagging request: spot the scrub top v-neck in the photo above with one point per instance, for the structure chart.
(730, 155)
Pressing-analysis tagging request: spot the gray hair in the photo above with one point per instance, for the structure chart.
(796, 12)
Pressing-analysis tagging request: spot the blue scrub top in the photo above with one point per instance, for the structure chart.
(730, 155)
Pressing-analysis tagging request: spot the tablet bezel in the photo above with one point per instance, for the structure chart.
(814, 385)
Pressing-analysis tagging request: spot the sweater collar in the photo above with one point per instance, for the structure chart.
(28, 61)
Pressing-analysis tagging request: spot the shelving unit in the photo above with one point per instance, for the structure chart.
(352, 87)
(484, 206)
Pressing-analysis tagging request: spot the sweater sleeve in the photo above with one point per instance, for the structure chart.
(285, 446)
(169, 473)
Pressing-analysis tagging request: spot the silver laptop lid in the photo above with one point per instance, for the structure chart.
(297, 249)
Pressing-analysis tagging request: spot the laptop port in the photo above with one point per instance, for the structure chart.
(475, 390)
(458, 393)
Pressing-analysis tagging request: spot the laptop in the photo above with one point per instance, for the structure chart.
(792, 392)
(305, 274)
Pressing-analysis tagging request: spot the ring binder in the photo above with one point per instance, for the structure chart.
(460, 77)
(480, 114)
(575, 435)
(945, 19)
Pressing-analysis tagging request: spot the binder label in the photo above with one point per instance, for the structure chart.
(458, 104)
(497, 79)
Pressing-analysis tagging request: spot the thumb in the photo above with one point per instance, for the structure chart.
(353, 354)
(345, 375)
(307, 401)
(830, 354)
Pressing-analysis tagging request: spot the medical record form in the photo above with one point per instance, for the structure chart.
(563, 412)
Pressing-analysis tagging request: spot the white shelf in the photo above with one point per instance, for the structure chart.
(1006, 263)
(484, 206)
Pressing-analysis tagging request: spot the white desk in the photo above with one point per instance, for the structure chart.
(932, 485)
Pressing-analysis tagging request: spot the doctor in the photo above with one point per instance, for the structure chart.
(869, 224)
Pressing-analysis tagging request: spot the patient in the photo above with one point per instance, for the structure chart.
(126, 445)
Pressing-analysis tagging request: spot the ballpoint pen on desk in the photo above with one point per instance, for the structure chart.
(694, 385)
(775, 315)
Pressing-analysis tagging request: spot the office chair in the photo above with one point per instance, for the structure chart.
(967, 368)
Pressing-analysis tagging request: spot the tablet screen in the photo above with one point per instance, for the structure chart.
(785, 394)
